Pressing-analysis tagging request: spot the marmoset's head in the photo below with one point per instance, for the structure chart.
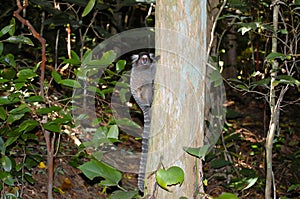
(142, 58)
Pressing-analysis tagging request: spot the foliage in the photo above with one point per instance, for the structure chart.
(168, 177)
(22, 109)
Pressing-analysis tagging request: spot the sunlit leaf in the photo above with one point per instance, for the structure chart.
(27, 125)
(14, 117)
(95, 168)
(172, 176)
(293, 187)
(5, 30)
(106, 59)
(6, 163)
(250, 182)
(7, 178)
(26, 74)
(113, 132)
(19, 40)
(227, 196)
(52, 126)
(56, 76)
(34, 99)
(275, 55)
(70, 83)
(13, 29)
(88, 8)
(120, 65)
(119, 194)
(29, 178)
(197, 152)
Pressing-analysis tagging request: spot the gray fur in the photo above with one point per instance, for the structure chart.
(142, 88)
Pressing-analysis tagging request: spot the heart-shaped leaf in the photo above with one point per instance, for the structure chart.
(172, 176)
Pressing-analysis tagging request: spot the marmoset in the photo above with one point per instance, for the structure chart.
(142, 88)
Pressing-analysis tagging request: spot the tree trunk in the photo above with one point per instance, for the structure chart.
(178, 108)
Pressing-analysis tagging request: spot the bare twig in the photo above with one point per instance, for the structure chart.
(274, 107)
(49, 139)
(213, 30)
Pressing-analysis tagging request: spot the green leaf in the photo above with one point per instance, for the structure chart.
(9, 60)
(56, 76)
(13, 29)
(52, 126)
(27, 125)
(172, 176)
(293, 187)
(29, 178)
(113, 132)
(8, 73)
(26, 74)
(6, 163)
(7, 178)
(19, 40)
(1, 48)
(95, 168)
(250, 182)
(120, 65)
(197, 152)
(219, 163)
(127, 122)
(12, 118)
(2, 113)
(51, 109)
(5, 30)
(75, 60)
(10, 141)
(34, 99)
(88, 8)
(227, 196)
(107, 59)
(2, 146)
(216, 77)
(287, 79)
(70, 83)
(23, 108)
(123, 195)
(275, 55)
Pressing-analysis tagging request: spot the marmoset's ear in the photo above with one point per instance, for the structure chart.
(154, 58)
(134, 58)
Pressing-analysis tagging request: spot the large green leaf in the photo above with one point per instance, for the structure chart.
(106, 59)
(88, 8)
(6, 163)
(123, 195)
(197, 152)
(23, 108)
(27, 125)
(26, 74)
(95, 168)
(172, 176)
(113, 132)
(52, 126)
(19, 40)
(2, 113)
(227, 196)
(70, 83)
(56, 76)
(5, 30)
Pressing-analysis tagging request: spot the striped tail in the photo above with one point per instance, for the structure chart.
(145, 145)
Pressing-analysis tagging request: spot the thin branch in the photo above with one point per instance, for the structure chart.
(213, 30)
